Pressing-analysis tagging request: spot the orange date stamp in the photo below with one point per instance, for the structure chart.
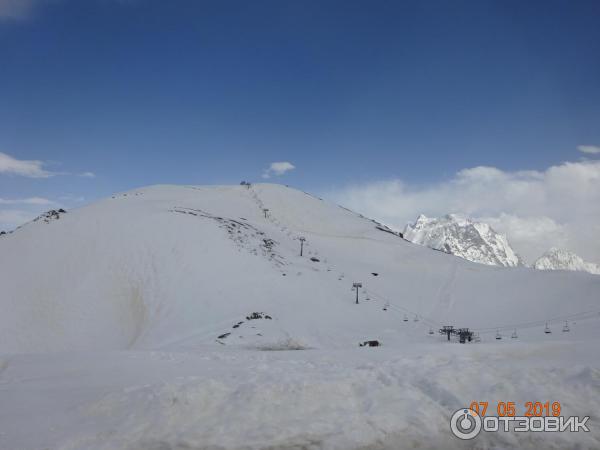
(509, 409)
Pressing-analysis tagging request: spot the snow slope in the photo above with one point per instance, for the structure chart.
(149, 298)
(457, 235)
(559, 259)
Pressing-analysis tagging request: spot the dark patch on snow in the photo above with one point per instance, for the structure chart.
(223, 336)
(242, 234)
(258, 315)
(375, 274)
(313, 259)
(370, 344)
(48, 216)
(268, 244)
(381, 227)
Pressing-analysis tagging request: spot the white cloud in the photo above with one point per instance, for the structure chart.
(88, 175)
(27, 201)
(72, 198)
(278, 169)
(11, 218)
(26, 168)
(559, 206)
(589, 149)
(21, 210)
(15, 9)
(23, 9)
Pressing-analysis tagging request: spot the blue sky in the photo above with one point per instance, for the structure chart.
(138, 92)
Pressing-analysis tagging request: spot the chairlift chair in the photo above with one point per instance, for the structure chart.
(498, 335)
(547, 330)
(514, 335)
(566, 327)
(416, 319)
(405, 318)
(431, 331)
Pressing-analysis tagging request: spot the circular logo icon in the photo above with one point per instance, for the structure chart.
(465, 424)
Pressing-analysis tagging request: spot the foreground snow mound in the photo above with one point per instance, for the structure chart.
(457, 235)
(384, 399)
(559, 259)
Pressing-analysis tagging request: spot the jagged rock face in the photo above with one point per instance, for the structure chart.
(559, 259)
(457, 235)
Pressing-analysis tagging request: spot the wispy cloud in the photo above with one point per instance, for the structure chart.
(26, 201)
(589, 149)
(10, 218)
(558, 206)
(26, 168)
(16, 9)
(24, 9)
(278, 169)
(32, 168)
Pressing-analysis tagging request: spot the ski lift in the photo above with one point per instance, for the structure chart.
(566, 327)
(416, 319)
(405, 318)
(547, 330)
(498, 335)
(431, 331)
(385, 307)
(514, 335)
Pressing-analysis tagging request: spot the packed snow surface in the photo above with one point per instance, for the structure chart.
(559, 259)
(460, 236)
(184, 317)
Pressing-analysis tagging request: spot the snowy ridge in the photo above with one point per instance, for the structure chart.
(457, 235)
(559, 259)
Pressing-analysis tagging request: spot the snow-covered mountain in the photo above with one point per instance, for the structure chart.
(560, 259)
(150, 319)
(460, 236)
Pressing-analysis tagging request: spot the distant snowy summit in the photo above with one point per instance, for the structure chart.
(559, 259)
(479, 242)
(460, 236)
